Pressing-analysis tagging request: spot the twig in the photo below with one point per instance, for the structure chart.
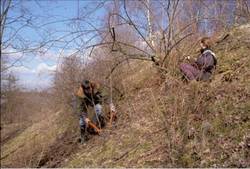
(13, 151)
(222, 39)
(155, 150)
(127, 152)
(133, 24)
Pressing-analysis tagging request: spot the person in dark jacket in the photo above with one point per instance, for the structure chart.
(202, 68)
(88, 94)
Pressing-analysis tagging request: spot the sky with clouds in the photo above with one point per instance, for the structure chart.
(54, 21)
(35, 70)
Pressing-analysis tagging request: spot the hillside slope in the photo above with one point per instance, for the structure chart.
(171, 124)
(162, 122)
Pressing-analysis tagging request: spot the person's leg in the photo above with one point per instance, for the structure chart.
(98, 109)
(205, 76)
(83, 125)
(82, 129)
(99, 118)
(189, 71)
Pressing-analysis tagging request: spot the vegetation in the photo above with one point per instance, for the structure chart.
(162, 121)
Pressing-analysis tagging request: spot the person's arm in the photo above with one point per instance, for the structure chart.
(210, 62)
(190, 59)
(98, 96)
(205, 61)
(200, 61)
(97, 92)
(81, 108)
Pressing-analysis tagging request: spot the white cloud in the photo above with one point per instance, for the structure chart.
(54, 55)
(43, 68)
(20, 70)
(36, 83)
(11, 53)
(49, 55)
(38, 70)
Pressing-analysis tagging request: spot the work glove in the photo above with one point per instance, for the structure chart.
(87, 120)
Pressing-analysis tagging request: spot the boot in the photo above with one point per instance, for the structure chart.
(100, 122)
(84, 136)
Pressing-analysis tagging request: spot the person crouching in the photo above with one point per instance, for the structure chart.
(89, 94)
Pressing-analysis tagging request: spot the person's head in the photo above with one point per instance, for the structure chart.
(86, 86)
(205, 42)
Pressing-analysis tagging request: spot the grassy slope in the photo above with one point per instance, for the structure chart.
(29, 146)
(206, 124)
(161, 124)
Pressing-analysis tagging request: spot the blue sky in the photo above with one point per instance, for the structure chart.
(52, 19)
(35, 70)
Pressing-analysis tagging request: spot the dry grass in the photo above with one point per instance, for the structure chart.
(173, 124)
(27, 148)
